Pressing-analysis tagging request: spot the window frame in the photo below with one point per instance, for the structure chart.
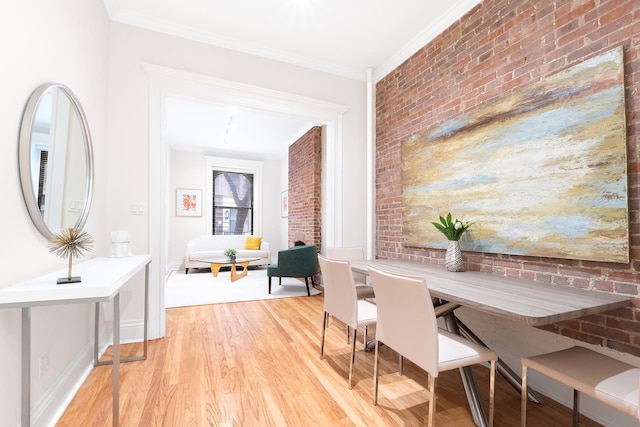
(236, 166)
(224, 210)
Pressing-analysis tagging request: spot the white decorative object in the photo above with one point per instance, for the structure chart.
(120, 244)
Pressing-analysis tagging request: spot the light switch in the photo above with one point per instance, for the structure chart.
(75, 205)
(137, 209)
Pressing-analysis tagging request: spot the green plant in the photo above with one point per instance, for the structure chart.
(452, 228)
(230, 253)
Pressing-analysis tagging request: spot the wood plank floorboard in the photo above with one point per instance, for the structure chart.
(258, 364)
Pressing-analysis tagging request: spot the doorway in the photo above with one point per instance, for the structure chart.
(167, 81)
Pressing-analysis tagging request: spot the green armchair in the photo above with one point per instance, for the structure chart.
(298, 261)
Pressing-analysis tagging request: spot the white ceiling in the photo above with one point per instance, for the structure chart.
(342, 37)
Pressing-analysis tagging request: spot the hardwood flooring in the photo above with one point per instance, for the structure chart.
(258, 364)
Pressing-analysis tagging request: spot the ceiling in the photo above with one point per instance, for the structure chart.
(342, 37)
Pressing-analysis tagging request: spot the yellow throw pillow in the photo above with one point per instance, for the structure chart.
(253, 243)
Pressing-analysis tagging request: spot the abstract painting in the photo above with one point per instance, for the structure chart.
(188, 202)
(541, 172)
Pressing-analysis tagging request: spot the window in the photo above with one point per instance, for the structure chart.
(232, 202)
(218, 165)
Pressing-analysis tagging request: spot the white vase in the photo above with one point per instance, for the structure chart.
(453, 258)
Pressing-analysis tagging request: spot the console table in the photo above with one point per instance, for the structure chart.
(102, 280)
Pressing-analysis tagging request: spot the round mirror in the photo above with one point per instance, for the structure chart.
(55, 160)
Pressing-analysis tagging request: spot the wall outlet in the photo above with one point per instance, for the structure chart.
(43, 363)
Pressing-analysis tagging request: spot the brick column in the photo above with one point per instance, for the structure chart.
(305, 169)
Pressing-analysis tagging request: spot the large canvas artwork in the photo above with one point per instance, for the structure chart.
(541, 172)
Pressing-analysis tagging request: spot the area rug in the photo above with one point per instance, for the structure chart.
(199, 288)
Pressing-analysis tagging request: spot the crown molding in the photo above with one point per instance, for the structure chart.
(456, 12)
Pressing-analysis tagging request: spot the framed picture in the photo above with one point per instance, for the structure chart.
(188, 202)
(284, 204)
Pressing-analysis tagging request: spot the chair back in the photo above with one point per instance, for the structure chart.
(406, 317)
(340, 299)
(354, 253)
(298, 261)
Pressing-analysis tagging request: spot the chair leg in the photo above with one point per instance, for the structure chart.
(366, 337)
(376, 360)
(325, 321)
(280, 281)
(306, 281)
(523, 394)
(186, 270)
(576, 408)
(269, 284)
(492, 399)
(400, 365)
(353, 355)
(432, 399)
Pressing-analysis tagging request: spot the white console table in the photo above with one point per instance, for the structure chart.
(102, 279)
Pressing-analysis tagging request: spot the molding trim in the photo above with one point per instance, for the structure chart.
(453, 14)
(164, 82)
(208, 37)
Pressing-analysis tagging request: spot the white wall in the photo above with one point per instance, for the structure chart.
(72, 42)
(65, 41)
(187, 169)
(129, 102)
(134, 131)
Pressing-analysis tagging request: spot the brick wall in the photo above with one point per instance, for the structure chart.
(497, 48)
(305, 168)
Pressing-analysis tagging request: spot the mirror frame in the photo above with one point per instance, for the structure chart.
(24, 156)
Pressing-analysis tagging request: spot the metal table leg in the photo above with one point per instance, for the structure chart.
(116, 360)
(473, 397)
(502, 367)
(26, 368)
(145, 341)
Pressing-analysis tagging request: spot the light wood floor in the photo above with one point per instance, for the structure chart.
(257, 364)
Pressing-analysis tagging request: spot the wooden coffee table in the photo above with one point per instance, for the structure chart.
(217, 263)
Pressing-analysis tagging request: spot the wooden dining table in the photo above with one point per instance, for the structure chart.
(525, 301)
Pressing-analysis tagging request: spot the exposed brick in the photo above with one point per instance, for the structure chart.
(498, 48)
(576, 335)
(622, 324)
(305, 174)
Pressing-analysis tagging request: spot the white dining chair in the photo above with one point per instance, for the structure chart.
(353, 253)
(407, 324)
(604, 378)
(363, 290)
(340, 301)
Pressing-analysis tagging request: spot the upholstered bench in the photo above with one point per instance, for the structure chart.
(606, 379)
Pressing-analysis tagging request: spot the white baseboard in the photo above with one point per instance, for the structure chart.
(54, 401)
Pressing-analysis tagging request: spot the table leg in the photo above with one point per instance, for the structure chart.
(471, 390)
(26, 368)
(502, 367)
(145, 326)
(116, 360)
(237, 276)
(215, 269)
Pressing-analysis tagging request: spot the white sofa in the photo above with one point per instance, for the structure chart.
(213, 246)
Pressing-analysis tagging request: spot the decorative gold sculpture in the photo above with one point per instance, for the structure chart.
(70, 242)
